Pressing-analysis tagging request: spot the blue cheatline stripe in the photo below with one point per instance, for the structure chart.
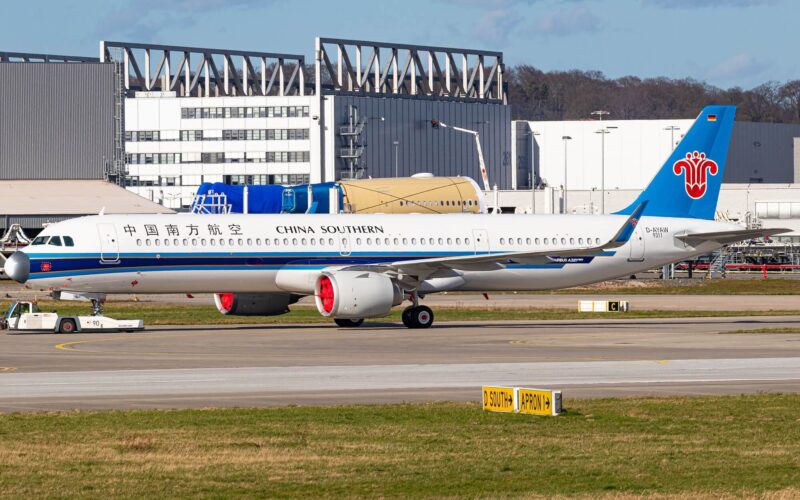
(118, 270)
(59, 266)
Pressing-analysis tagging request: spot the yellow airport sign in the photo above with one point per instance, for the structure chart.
(538, 401)
(502, 399)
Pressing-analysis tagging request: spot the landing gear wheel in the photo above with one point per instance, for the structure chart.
(348, 323)
(67, 326)
(418, 317)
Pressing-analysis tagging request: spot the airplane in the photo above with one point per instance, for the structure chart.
(360, 266)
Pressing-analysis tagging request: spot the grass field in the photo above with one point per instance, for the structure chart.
(772, 286)
(767, 330)
(186, 314)
(687, 447)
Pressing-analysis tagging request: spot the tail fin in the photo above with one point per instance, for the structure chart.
(688, 183)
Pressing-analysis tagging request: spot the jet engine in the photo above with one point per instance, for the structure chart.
(356, 294)
(254, 304)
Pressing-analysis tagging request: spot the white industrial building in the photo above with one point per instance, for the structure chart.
(174, 144)
(762, 176)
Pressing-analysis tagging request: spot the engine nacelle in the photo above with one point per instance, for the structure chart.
(356, 294)
(254, 304)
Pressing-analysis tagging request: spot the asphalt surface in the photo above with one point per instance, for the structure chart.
(169, 367)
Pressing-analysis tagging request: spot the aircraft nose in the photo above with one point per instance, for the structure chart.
(18, 267)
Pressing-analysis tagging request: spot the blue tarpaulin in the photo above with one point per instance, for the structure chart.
(261, 199)
(295, 198)
(272, 199)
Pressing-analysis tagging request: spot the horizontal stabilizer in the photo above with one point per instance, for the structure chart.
(724, 237)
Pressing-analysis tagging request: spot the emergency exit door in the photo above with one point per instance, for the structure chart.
(481, 237)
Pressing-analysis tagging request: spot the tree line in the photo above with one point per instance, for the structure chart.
(572, 95)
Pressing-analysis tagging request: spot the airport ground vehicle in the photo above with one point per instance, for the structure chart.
(26, 316)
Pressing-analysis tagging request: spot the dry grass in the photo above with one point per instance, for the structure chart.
(720, 447)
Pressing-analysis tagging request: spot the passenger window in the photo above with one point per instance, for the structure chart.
(458, 241)
(466, 241)
(166, 242)
(221, 242)
(214, 242)
(519, 241)
(202, 241)
(580, 241)
(405, 241)
(413, 241)
(241, 242)
(185, 242)
(313, 241)
(330, 241)
(421, 241)
(68, 241)
(138, 243)
(55, 241)
(397, 241)
(597, 240)
(176, 242)
(147, 242)
(231, 243)
(194, 242)
(277, 242)
(502, 241)
(527, 241)
(303, 241)
(249, 241)
(377, 241)
(546, 241)
(358, 241)
(286, 242)
(537, 241)
(158, 242)
(449, 241)
(563, 241)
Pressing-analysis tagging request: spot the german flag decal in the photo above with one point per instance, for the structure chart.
(712, 118)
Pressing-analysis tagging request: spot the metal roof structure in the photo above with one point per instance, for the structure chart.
(204, 72)
(71, 197)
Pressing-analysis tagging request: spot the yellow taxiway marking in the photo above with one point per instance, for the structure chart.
(8, 368)
(71, 346)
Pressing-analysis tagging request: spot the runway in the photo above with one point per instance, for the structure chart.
(277, 365)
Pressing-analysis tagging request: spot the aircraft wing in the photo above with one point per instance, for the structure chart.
(488, 262)
(724, 237)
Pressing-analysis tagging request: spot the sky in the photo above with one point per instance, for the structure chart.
(726, 43)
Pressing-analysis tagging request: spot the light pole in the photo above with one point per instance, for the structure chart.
(565, 138)
(435, 123)
(599, 113)
(672, 129)
(603, 131)
(396, 145)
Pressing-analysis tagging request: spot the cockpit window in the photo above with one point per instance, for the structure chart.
(40, 240)
(68, 241)
(55, 241)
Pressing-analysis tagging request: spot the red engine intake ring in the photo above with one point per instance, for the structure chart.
(326, 293)
(225, 302)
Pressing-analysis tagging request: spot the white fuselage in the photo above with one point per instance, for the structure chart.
(262, 253)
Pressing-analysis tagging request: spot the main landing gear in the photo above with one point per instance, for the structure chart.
(418, 317)
(415, 316)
